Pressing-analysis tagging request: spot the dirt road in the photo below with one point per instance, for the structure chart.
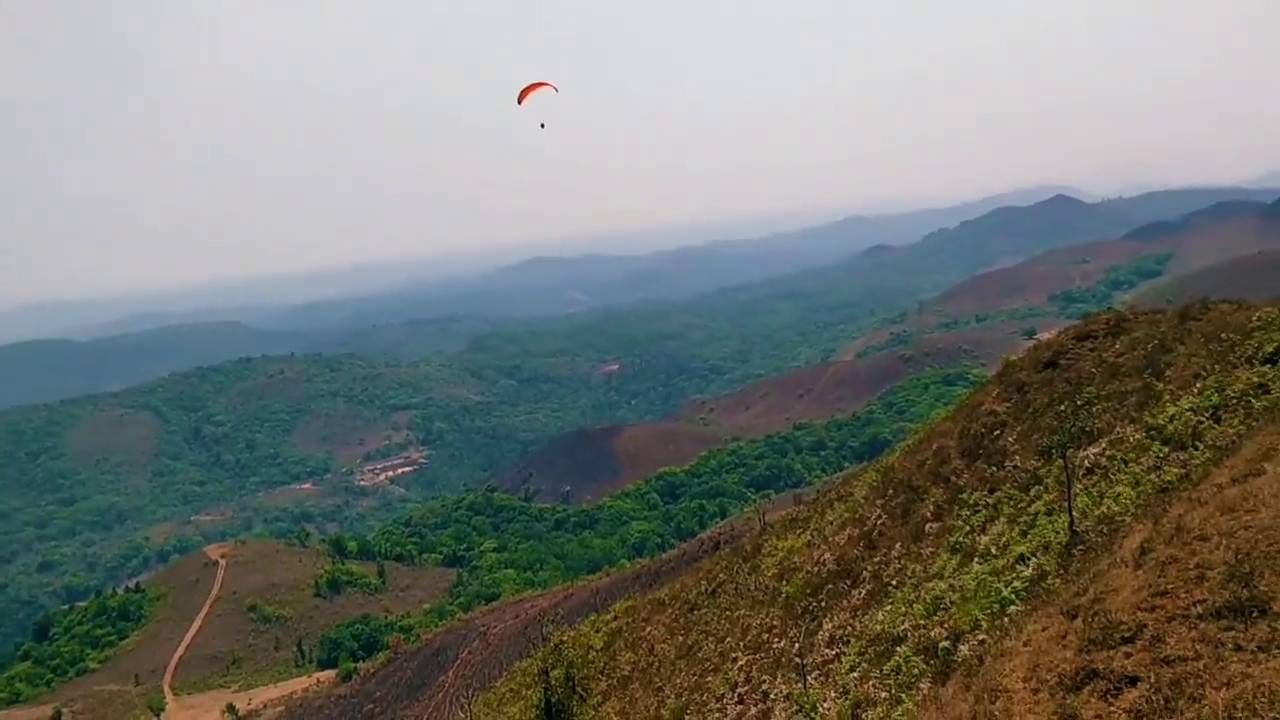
(209, 705)
(217, 553)
(198, 706)
(30, 712)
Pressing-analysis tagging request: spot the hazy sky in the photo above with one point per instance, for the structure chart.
(152, 143)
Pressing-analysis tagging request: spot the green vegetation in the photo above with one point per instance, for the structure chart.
(1078, 302)
(504, 546)
(1072, 304)
(359, 639)
(156, 705)
(72, 641)
(267, 614)
(338, 577)
(914, 566)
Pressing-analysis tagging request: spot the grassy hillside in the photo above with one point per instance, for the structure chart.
(1176, 618)
(93, 486)
(902, 574)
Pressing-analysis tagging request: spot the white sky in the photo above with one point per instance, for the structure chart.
(152, 143)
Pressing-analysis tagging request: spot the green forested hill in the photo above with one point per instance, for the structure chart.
(84, 479)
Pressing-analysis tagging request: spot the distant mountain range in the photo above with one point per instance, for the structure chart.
(558, 285)
(1267, 180)
(867, 251)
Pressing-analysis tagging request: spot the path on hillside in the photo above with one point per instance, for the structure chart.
(217, 553)
(209, 705)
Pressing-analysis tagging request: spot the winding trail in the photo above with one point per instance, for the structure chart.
(218, 553)
(204, 705)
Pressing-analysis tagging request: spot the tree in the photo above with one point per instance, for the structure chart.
(57, 713)
(156, 705)
(560, 692)
(338, 547)
(1073, 426)
(231, 712)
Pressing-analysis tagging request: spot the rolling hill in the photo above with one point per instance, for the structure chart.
(210, 453)
(983, 319)
(1042, 292)
(38, 371)
(937, 578)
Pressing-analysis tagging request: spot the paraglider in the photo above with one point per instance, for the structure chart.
(532, 88)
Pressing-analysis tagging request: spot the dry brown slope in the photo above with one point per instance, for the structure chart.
(217, 553)
(901, 574)
(1254, 277)
(1178, 619)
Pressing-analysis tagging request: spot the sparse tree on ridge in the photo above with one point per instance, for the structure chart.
(1073, 426)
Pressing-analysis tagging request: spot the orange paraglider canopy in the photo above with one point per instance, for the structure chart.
(531, 88)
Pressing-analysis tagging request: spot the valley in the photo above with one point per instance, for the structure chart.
(349, 438)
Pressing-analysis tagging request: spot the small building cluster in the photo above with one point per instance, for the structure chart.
(383, 472)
